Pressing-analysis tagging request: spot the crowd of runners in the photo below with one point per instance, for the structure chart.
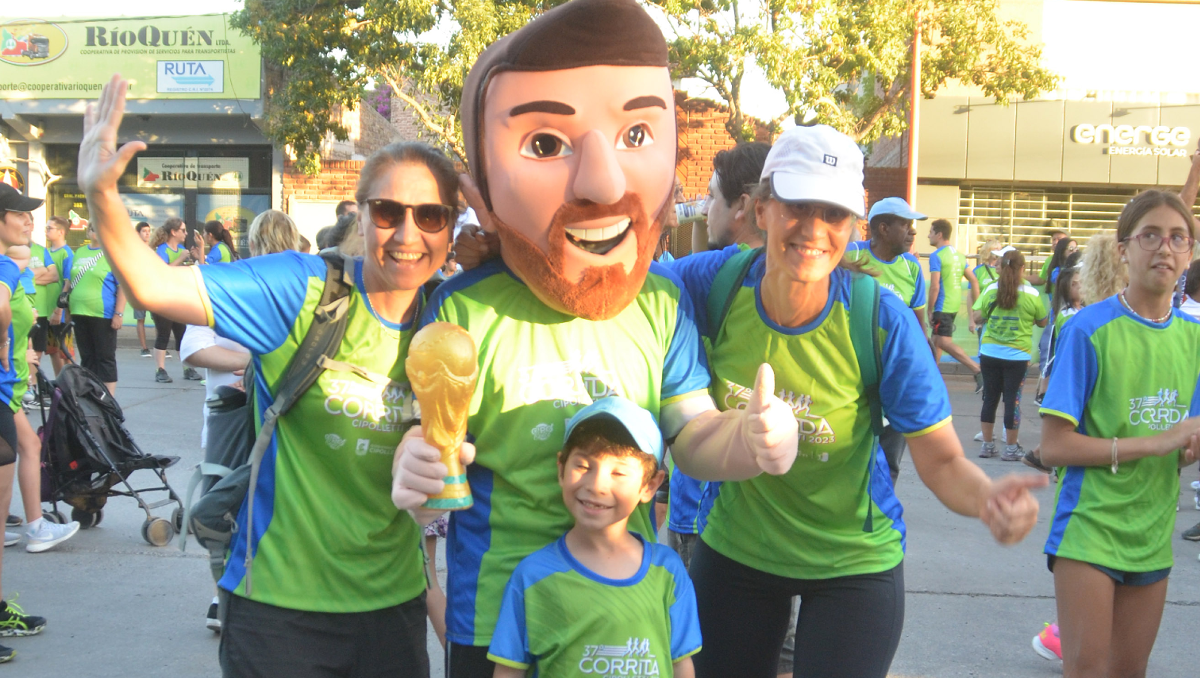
(755, 399)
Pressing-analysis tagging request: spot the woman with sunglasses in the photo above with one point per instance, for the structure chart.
(338, 583)
(167, 242)
(1122, 434)
(830, 529)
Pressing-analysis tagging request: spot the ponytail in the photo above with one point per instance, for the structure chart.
(218, 231)
(1012, 265)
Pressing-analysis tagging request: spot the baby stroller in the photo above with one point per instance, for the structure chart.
(87, 452)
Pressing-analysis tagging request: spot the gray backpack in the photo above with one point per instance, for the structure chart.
(234, 452)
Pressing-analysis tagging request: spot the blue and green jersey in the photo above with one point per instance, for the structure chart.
(219, 254)
(327, 537)
(1125, 520)
(46, 297)
(1008, 332)
(986, 275)
(11, 388)
(95, 286)
(901, 275)
(170, 254)
(559, 618)
(538, 367)
(951, 265)
(809, 522)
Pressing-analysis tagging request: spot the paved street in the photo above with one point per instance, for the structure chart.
(119, 607)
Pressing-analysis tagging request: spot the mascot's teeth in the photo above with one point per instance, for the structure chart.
(599, 234)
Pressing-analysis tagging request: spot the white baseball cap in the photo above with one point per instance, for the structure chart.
(819, 164)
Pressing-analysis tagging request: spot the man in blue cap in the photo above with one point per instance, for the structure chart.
(887, 256)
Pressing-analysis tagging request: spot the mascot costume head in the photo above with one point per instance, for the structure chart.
(569, 127)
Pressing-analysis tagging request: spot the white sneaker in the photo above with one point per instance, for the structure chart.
(979, 437)
(1003, 435)
(12, 538)
(49, 535)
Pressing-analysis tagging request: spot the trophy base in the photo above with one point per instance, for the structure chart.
(455, 497)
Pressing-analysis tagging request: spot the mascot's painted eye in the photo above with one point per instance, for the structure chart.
(635, 137)
(545, 145)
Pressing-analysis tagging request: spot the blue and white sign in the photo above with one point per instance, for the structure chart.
(191, 77)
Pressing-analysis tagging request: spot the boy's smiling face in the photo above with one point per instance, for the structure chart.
(602, 490)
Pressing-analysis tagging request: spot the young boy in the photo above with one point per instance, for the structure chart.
(601, 599)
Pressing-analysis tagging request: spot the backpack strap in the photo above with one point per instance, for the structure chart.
(321, 342)
(864, 338)
(725, 287)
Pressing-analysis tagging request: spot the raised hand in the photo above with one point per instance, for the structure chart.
(101, 163)
(1010, 510)
(770, 427)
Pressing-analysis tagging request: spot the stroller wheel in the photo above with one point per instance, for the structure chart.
(177, 520)
(158, 531)
(87, 519)
(55, 517)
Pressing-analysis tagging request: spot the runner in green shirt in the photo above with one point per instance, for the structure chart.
(333, 556)
(947, 268)
(1121, 417)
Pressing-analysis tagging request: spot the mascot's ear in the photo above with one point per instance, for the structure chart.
(475, 201)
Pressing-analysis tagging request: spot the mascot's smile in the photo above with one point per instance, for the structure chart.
(598, 239)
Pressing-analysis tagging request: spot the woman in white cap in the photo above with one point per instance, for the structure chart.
(829, 530)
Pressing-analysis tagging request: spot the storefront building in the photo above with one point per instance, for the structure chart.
(194, 98)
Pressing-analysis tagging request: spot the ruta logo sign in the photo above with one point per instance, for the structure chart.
(31, 42)
(191, 76)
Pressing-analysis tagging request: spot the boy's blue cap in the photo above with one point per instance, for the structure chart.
(896, 206)
(638, 422)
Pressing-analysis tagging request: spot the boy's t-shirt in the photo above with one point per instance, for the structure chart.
(559, 618)
(1118, 375)
(952, 266)
(537, 368)
(901, 275)
(1008, 332)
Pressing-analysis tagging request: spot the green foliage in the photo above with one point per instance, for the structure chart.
(846, 63)
(324, 54)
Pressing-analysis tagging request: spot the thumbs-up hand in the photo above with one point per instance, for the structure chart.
(769, 427)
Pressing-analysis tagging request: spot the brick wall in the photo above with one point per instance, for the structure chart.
(701, 136)
(885, 182)
(336, 182)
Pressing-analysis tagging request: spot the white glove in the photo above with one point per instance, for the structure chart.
(769, 427)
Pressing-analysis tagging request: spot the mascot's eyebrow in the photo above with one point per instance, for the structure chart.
(645, 102)
(551, 107)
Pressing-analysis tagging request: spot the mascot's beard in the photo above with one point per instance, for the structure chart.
(602, 291)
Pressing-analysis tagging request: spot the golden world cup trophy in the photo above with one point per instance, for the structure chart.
(442, 368)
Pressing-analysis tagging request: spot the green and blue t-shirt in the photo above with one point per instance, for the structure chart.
(95, 286)
(170, 254)
(1008, 332)
(986, 275)
(538, 367)
(219, 254)
(901, 275)
(559, 618)
(327, 537)
(951, 265)
(10, 380)
(38, 258)
(46, 297)
(1125, 520)
(809, 522)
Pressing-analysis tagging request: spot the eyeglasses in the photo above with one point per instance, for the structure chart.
(389, 214)
(830, 214)
(1152, 242)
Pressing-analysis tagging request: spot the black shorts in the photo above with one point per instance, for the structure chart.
(942, 323)
(259, 641)
(8, 436)
(97, 343)
(39, 333)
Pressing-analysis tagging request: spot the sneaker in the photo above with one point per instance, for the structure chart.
(191, 374)
(988, 451)
(213, 622)
(1195, 486)
(1047, 644)
(978, 437)
(14, 538)
(979, 382)
(13, 521)
(14, 621)
(29, 398)
(167, 354)
(146, 353)
(1192, 533)
(1033, 460)
(48, 535)
(1013, 453)
(162, 377)
(6, 654)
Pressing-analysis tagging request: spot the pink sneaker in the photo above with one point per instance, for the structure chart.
(1047, 644)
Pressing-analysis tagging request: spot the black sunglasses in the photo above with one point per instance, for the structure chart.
(429, 217)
